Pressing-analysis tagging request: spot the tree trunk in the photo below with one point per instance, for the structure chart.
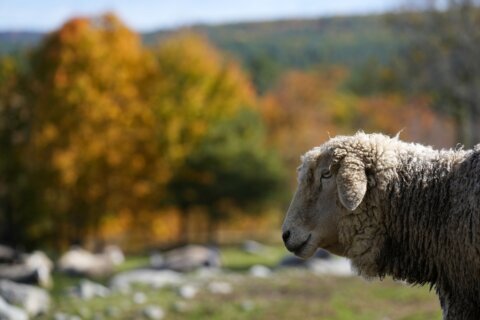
(184, 230)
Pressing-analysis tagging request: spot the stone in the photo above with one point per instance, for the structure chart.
(139, 298)
(153, 312)
(80, 262)
(253, 247)
(154, 278)
(340, 267)
(260, 271)
(87, 289)
(9, 312)
(220, 287)
(34, 300)
(40, 262)
(187, 291)
(189, 258)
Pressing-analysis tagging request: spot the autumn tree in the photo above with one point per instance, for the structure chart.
(304, 108)
(193, 86)
(91, 126)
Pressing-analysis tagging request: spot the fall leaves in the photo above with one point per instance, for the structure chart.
(97, 129)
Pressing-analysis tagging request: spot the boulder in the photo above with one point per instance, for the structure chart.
(220, 287)
(189, 258)
(154, 278)
(87, 289)
(292, 261)
(40, 262)
(21, 273)
(34, 300)
(80, 262)
(253, 247)
(340, 267)
(153, 313)
(9, 312)
(260, 271)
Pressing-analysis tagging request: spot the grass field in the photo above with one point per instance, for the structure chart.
(286, 294)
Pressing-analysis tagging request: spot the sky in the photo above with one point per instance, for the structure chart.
(149, 15)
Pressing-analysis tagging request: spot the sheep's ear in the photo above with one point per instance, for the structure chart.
(351, 182)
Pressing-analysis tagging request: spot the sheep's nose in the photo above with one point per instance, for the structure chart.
(286, 235)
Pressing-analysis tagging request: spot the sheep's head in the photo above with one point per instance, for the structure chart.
(330, 184)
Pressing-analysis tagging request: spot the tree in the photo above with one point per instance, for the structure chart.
(441, 58)
(91, 127)
(16, 214)
(231, 169)
(192, 87)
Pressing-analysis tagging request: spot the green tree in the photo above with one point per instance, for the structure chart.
(231, 169)
(15, 213)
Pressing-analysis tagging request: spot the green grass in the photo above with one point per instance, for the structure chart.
(288, 294)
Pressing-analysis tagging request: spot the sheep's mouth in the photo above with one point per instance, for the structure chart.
(300, 250)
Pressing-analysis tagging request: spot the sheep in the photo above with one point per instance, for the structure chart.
(394, 208)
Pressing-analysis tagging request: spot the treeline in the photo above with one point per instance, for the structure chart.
(96, 125)
(103, 137)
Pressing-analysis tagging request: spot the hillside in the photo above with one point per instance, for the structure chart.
(268, 48)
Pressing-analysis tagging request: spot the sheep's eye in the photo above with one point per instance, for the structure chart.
(326, 174)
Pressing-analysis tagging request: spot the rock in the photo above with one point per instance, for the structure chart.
(81, 262)
(115, 253)
(334, 267)
(322, 254)
(153, 312)
(139, 298)
(154, 278)
(40, 262)
(87, 289)
(187, 291)
(292, 261)
(20, 273)
(220, 287)
(157, 260)
(9, 312)
(253, 247)
(260, 271)
(247, 305)
(189, 258)
(35, 301)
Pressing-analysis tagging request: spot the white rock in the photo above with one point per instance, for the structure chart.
(190, 257)
(87, 289)
(253, 247)
(115, 253)
(153, 312)
(260, 271)
(78, 261)
(220, 287)
(39, 261)
(154, 278)
(334, 267)
(139, 298)
(9, 312)
(33, 299)
(187, 291)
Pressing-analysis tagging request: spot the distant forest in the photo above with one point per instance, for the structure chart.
(267, 49)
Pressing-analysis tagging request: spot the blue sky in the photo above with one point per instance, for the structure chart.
(145, 15)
